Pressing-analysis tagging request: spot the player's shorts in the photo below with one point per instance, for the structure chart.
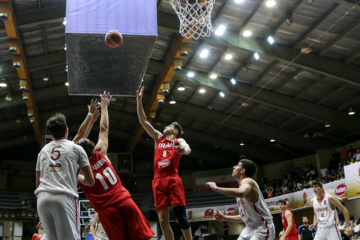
(59, 214)
(292, 237)
(328, 233)
(125, 221)
(168, 191)
(264, 231)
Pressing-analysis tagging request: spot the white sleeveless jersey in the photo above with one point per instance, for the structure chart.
(100, 232)
(58, 163)
(253, 214)
(325, 215)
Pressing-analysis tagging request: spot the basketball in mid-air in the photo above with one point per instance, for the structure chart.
(113, 38)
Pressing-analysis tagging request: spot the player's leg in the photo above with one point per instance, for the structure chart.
(113, 222)
(164, 220)
(182, 220)
(45, 215)
(334, 233)
(321, 234)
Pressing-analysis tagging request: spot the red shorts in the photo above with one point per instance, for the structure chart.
(168, 191)
(125, 221)
(292, 237)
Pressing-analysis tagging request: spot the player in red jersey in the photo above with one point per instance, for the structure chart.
(290, 230)
(167, 185)
(118, 213)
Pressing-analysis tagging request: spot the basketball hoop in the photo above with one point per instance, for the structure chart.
(194, 16)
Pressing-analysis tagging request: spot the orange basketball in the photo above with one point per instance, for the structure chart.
(113, 38)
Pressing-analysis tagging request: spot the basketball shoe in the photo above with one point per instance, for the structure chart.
(36, 236)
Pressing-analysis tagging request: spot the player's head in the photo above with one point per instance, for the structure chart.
(57, 126)
(305, 220)
(317, 187)
(87, 145)
(245, 167)
(174, 128)
(282, 205)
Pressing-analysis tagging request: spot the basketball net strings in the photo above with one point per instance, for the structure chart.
(287, 65)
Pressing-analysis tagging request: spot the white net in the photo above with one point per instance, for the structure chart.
(194, 16)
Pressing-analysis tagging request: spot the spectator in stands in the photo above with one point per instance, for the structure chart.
(264, 181)
(338, 177)
(305, 184)
(351, 151)
(344, 152)
(340, 166)
(310, 182)
(269, 191)
(212, 230)
(324, 172)
(352, 161)
(356, 228)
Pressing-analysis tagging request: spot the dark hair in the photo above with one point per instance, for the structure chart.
(56, 125)
(87, 145)
(249, 166)
(305, 217)
(282, 201)
(317, 184)
(178, 128)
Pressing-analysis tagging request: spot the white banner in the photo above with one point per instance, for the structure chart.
(352, 175)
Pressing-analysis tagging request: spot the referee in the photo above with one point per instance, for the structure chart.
(304, 231)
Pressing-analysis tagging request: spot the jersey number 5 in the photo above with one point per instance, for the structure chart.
(55, 154)
(109, 174)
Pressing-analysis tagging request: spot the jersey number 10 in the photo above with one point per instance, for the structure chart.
(109, 174)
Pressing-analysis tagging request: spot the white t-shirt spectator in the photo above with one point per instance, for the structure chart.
(324, 172)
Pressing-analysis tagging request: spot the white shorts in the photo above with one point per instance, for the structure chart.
(59, 214)
(328, 233)
(261, 232)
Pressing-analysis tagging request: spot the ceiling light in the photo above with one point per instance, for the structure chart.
(113, 99)
(64, 22)
(32, 120)
(228, 56)
(233, 81)
(256, 56)
(3, 16)
(213, 76)
(242, 143)
(204, 53)
(3, 83)
(238, 1)
(310, 1)
(222, 94)
(247, 33)
(327, 125)
(66, 68)
(65, 48)
(9, 97)
(245, 104)
(165, 87)
(289, 21)
(272, 140)
(190, 74)
(45, 79)
(25, 96)
(181, 88)
(306, 50)
(270, 40)
(152, 114)
(23, 85)
(67, 84)
(220, 30)
(351, 112)
(30, 112)
(160, 98)
(172, 101)
(202, 90)
(270, 3)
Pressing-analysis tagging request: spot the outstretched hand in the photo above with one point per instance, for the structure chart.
(95, 116)
(179, 149)
(105, 98)
(218, 216)
(93, 106)
(140, 94)
(211, 185)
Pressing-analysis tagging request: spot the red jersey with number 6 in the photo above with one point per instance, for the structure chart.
(166, 160)
(108, 188)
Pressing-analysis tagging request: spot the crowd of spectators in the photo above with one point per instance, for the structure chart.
(302, 178)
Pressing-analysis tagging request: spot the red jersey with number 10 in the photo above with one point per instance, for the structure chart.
(293, 230)
(166, 160)
(108, 188)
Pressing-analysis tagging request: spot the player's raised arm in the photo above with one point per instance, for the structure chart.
(240, 192)
(337, 203)
(155, 134)
(103, 141)
(183, 147)
(87, 124)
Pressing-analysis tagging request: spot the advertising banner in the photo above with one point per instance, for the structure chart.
(206, 214)
(352, 175)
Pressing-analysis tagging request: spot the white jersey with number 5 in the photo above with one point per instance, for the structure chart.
(325, 215)
(253, 214)
(58, 163)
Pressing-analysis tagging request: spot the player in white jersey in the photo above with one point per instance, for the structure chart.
(253, 210)
(325, 215)
(97, 230)
(57, 169)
